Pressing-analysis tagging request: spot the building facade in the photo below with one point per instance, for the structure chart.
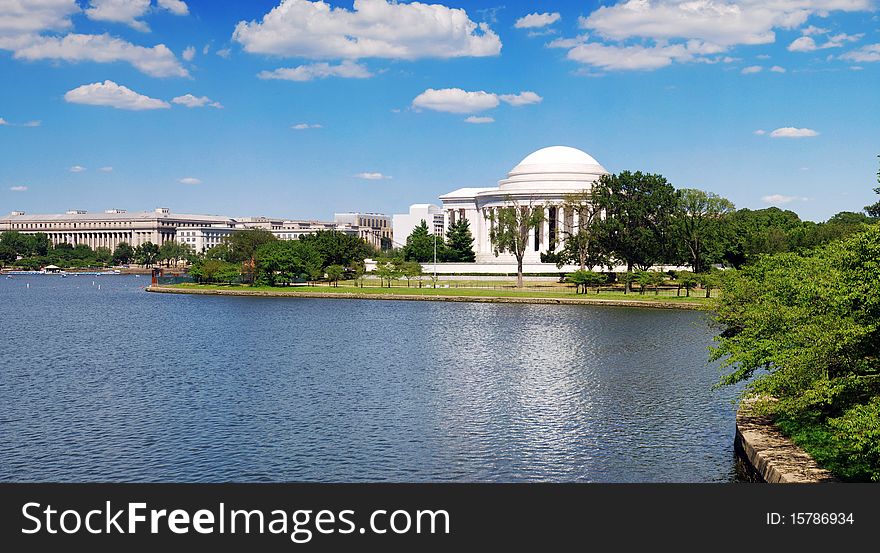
(404, 223)
(110, 228)
(372, 227)
(542, 179)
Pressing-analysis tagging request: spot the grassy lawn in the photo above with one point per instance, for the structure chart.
(557, 292)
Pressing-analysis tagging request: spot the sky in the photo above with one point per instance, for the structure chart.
(299, 109)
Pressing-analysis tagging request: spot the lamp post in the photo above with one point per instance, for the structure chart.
(435, 258)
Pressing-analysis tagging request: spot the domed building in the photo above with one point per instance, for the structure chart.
(542, 178)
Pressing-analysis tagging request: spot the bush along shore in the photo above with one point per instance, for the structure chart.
(804, 331)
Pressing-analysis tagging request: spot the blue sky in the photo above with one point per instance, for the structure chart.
(195, 104)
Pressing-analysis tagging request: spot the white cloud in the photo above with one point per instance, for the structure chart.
(536, 20)
(522, 99)
(189, 53)
(107, 169)
(373, 28)
(21, 17)
(191, 101)
(781, 199)
(793, 132)
(808, 44)
(157, 61)
(688, 30)
(455, 100)
(813, 30)
(111, 94)
(306, 126)
(206, 48)
(867, 53)
(372, 176)
(346, 70)
(224, 53)
(120, 11)
(3, 122)
(177, 7)
(32, 124)
(190, 180)
(568, 42)
(777, 69)
(751, 69)
(760, 132)
(18, 188)
(476, 120)
(77, 169)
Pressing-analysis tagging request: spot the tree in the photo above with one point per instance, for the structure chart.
(123, 254)
(173, 251)
(637, 227)
(241, 246)
(459, 243)
(698, 221)
(649, 278)
(387, 270)
(509, 230)
(7, 254)
(582, 279)
(338, 248)
(334, 273)
(146, 254)
(283, 262)
(582, 244)
(874, 209)
(686, 280)
(410, 270)
(420, 245)
(803, 330)
(214, 270)
(748, 233)
(103, 255)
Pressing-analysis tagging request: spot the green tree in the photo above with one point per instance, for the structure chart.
(686, 280)
(7, 254)
(639, 209)
(509, 230)
(583, 279)
(387, 271)
(214, 270)
(334, 273)
(803, 329)
(582, 244)
(123, 254)
(146, 254)
(749, 233)
(410, 270)
(459, 243)
(286, 261)
(338, 248)
(420, 245)
(242, 245)
(103, 255)
(698, 225)
(874, 209)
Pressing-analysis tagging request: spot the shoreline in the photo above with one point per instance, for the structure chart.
(770, 456)
(653, 304)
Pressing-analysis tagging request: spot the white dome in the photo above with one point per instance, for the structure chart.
(554, 168)
(559, 155)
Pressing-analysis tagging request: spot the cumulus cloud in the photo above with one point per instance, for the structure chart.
(793, 132)
(22, 18)
(157, 61)
(113, 95)
(537, 20)
(456, 100)
(224, 53)
(346, 70)
(751, 69)
(808, 43)
(868, 53)
(120, 11)
(177, 7)
(372, 176)
(372, 28)
(189, 53)
(3, 122)
(780, 199)
(306, 126)
(477, 120)
(18, 188)
(777, 69)
(760, 132)
(689, 30)
(191, 101)
(522, 99)
(107, 169)
(77, 169)
(190, 180)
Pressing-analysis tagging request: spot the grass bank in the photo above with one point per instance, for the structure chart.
(450, 294)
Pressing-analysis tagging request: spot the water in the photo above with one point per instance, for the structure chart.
(118, 384)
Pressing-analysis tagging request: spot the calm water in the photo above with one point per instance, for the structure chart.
(116, 384)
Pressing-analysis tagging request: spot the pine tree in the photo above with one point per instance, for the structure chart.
(460, 242)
